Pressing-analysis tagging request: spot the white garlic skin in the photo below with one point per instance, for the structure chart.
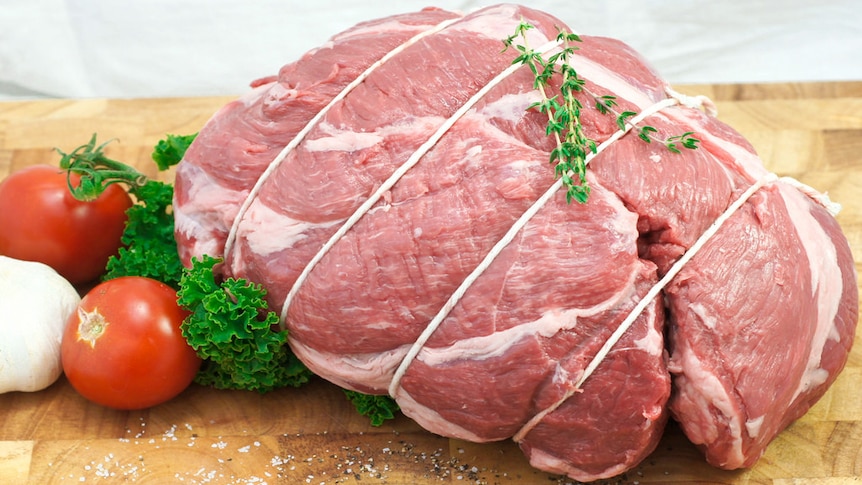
(35, 304)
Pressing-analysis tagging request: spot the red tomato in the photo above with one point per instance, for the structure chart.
(123, 347)
(41, 221)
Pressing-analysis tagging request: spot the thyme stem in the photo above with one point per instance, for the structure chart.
(563, 110)
(564, 123)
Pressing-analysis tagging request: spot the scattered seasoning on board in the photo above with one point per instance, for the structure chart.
(361, 463)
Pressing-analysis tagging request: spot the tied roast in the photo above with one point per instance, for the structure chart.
(749, 333)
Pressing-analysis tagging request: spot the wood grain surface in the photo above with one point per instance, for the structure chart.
(812, 132)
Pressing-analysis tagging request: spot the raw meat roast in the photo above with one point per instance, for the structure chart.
(740, 341)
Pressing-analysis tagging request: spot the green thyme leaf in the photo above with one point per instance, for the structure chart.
(563, 112)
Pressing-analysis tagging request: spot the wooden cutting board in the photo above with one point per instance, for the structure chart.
(812, 132)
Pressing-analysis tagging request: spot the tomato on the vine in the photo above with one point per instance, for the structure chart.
(40, 220)
(123, 347)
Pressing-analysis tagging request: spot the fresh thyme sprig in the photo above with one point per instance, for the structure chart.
(686, 140)
(564, 117)
(564, 124)
(645, 133)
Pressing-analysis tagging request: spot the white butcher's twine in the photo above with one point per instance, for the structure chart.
(675, 98)
(255, 190)
(644, 302)
(395, 177)
(508, 238)
(653, 292)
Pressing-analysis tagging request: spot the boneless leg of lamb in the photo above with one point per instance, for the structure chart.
(526, 342)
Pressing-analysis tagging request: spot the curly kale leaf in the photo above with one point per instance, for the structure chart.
(231, 329)
(229, 325)
(169, 151)
(149, 248)
(377, 408)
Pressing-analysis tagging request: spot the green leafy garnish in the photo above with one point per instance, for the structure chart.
(645, 132)
(378, 409)
(169, 151)
(564, 110)
(232, 330)
(149, 248)
(230, 326)
(605, 103)
(686, 140)
(623, 117)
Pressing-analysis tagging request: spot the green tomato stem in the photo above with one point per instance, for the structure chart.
(97, 171)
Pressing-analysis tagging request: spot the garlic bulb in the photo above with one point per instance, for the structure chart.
(35, 303)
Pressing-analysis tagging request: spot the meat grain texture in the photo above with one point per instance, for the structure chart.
(744, 339)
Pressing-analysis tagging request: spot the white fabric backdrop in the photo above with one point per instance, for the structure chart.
(154, 48)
